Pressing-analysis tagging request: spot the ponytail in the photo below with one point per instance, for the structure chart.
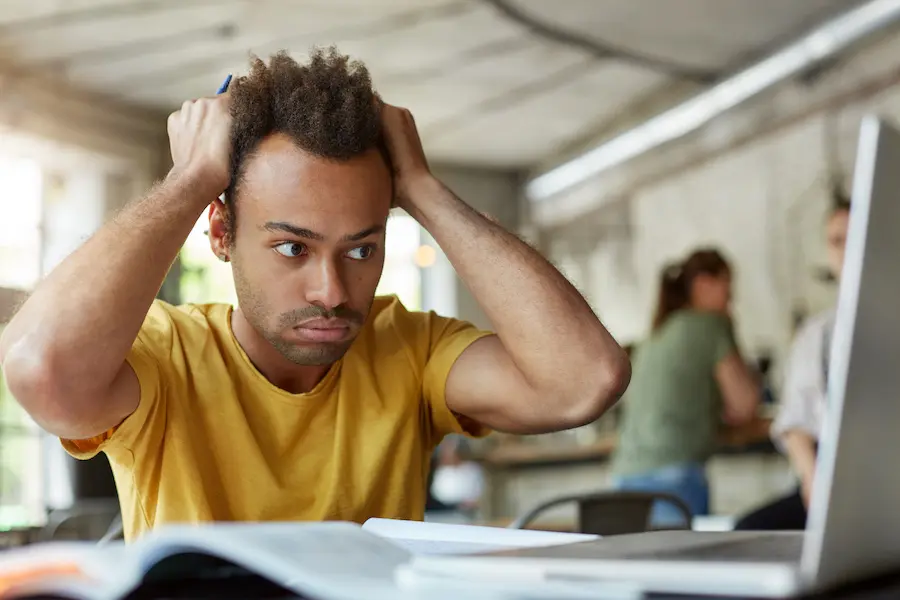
(673, 294)
(677, 279)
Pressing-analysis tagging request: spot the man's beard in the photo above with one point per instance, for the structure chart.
(320, 353)
(309, 354)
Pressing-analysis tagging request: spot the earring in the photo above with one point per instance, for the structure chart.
(223, 258)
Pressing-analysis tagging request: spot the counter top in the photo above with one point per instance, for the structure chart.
(523, 454)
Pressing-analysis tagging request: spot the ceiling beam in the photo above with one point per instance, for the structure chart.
(168, 77)
(96, 12)
(466, 58)
(511, 97)
(599, 49)
(132, 49)
(823, 42)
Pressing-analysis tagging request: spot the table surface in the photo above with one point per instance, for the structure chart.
(512, 454)
(887, 588)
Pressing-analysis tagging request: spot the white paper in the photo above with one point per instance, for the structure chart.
(514, 587)
(421, 538)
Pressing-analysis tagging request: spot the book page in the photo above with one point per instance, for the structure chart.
(332, 561)
(421, 538)
(321, 560)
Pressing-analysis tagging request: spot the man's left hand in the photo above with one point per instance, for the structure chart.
(411, 172)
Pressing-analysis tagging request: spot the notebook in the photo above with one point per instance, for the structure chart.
(329, 561)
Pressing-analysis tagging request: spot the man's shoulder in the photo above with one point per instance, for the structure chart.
(389, 319)
(389, 312)
(187, 312)
(166, 319)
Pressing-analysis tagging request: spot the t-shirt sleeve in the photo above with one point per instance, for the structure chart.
(447, 340)
(145, 425)
(712, 335)
(801, 399)
(719, 334)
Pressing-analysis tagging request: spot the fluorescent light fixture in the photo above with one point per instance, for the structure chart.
(691, 115)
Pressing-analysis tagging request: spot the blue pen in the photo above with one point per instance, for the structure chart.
(224, 87)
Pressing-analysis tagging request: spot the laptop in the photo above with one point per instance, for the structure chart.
(853, 527)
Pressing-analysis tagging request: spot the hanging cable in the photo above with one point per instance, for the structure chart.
(599, 49)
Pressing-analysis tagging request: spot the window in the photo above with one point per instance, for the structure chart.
(21, 484)
(20, 227)
(204, 278)
(401, 275)
(21, 491)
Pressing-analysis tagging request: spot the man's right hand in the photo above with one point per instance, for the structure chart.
(200, 141)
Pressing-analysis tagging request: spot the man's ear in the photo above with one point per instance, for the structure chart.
(221, 236)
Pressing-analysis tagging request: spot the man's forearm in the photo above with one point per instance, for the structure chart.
(544, 323)
(801, 451)
(83, 317)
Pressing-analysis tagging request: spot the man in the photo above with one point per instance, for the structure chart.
(803, 402)
(313, 399)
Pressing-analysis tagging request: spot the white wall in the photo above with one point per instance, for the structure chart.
(761, 198)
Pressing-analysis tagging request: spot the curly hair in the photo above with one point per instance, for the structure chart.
(328, 107)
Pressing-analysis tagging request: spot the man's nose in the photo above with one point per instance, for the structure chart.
(326, 286)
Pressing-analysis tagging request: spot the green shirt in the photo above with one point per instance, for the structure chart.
(671, 411)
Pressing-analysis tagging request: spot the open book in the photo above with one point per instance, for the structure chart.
(327, 561)
(441, 538)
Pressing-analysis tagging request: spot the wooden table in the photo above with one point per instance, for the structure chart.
(514, 466)
(511, 454)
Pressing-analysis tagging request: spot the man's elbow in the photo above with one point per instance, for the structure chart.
(37, 386)
(602, 393)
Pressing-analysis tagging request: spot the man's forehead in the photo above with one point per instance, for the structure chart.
(284, 184)
(280, 170)
(278, 162)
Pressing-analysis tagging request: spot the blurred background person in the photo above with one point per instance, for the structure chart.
(456, 484)
(688, 377)
(804, 397)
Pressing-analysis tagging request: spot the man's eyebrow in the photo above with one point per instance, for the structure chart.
(364, 233)
(276, 226)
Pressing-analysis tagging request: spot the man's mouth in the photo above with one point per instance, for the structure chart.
(324, 330)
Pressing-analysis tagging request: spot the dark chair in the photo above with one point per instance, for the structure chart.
(85, 520)
(610, 512)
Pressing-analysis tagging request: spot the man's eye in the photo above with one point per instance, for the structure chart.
(361, 253)
(290, 249)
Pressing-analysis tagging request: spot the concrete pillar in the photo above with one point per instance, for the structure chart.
(493, 192)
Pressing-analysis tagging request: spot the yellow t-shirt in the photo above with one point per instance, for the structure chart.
(213, 440)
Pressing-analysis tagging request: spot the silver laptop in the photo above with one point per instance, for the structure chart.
(853, 528)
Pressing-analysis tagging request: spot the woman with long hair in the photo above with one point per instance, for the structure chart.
(687, 378)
